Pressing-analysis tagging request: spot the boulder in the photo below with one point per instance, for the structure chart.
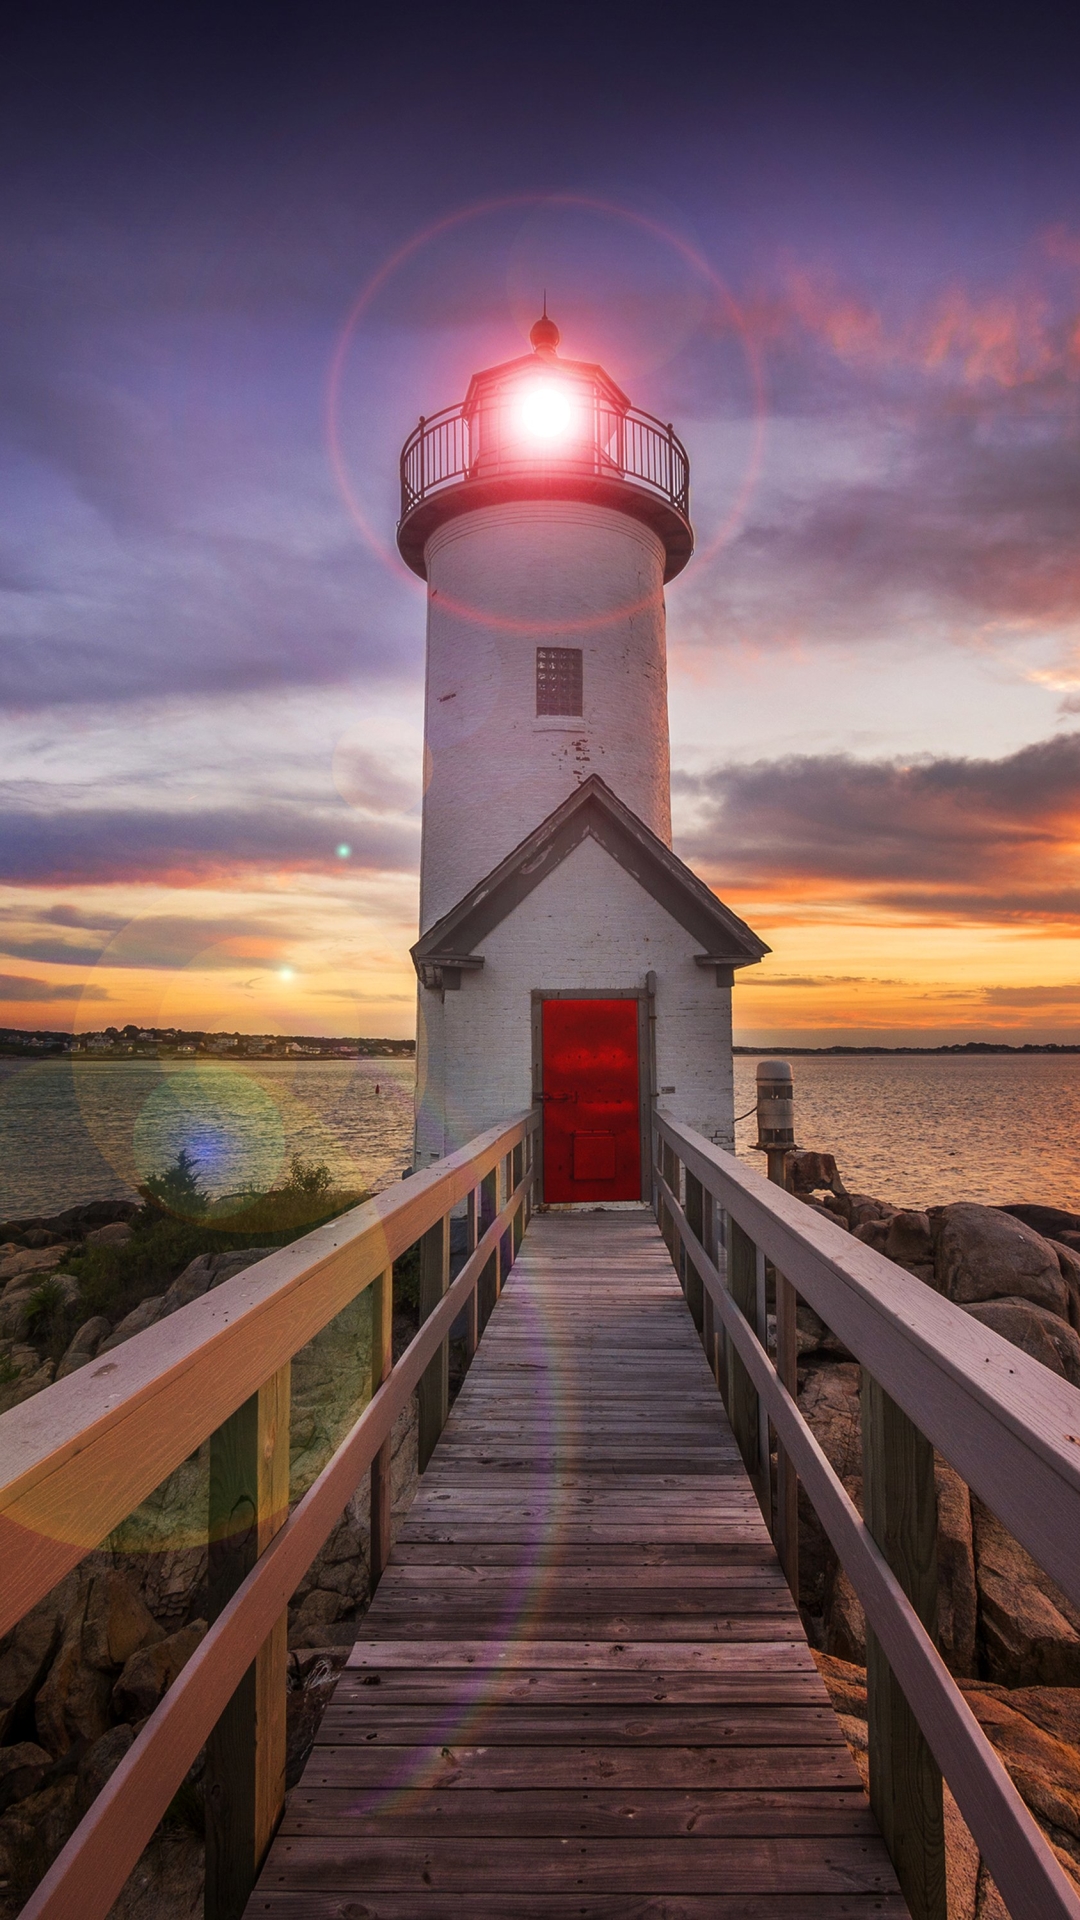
(862, 1208)
(32, 1833)
(812, 1173)
(116, 1234)
(84, 1345)
(1068, 1260)
(207, 1271)
(845, 1621)
(873, 1233)
(318, 1611)
(1027, 1638)
(137, 1321)
(909, 1242)
(829, 1403)
(957, 1591)
(99, 1762)
(150, 1672)
(29, 1261)
(17, 1308)
(25, 1654)
(116, 1623)
(22, 1769)
(981, 1253)
(73, 1703)
(1036, 1331)
(1051, 1222)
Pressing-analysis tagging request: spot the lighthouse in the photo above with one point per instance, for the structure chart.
(566, 955)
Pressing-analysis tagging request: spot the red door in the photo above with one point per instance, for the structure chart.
(591, 1095)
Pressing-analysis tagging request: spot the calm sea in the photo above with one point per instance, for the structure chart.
(917, 1131)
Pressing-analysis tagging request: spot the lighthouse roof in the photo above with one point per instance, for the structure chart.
(591, 811)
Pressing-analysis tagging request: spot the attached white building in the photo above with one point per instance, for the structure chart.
(566, 954)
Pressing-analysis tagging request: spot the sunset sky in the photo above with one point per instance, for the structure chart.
(243, 250)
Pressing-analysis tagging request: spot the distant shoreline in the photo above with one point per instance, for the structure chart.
(966, 1047)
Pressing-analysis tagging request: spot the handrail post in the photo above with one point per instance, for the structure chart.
(382, 1360)
(472, 1317)
(742, 1396)
(695, 1220)
(900, 1508)
(669, 1168)
(517, 1173)
(433, 1392)
(710, 1241)
(506, 1241)
(245, 1754)
(487, 1287)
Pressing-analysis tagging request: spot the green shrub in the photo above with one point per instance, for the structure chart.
(177, 1188)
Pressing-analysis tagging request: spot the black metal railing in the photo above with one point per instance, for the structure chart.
(486, 444)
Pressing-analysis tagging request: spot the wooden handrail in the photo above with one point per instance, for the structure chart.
(877, 1310)
(1009, 1426)
(87, 1876)
(78, 1458)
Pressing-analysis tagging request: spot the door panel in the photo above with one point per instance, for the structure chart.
(591, 1096)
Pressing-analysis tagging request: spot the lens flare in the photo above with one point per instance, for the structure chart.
(545, 413)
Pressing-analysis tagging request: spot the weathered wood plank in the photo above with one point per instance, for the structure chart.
(583, 1678)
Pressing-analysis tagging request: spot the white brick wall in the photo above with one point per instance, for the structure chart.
(587, 925)
(589, 577)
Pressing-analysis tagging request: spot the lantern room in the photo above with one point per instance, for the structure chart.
(541, 427)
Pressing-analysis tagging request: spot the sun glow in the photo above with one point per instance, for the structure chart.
(545, 412)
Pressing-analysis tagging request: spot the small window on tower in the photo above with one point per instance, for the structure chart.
(558, 680)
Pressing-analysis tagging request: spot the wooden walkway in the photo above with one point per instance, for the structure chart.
(583, 1688)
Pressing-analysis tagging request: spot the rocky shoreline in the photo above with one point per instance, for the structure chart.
(80, 1674)
(1007, 1633)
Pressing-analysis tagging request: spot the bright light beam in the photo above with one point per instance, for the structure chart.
(545, 412)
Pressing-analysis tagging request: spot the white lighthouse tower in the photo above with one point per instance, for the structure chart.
(565, 953)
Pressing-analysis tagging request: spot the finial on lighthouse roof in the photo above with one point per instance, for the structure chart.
(545, 335)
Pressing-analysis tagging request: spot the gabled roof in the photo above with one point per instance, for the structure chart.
(591, 811)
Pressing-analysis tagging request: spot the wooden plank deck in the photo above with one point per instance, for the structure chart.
(583, 1688)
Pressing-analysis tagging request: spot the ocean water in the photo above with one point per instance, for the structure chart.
(921, 1130)
(73, 1130)
(915, 1130)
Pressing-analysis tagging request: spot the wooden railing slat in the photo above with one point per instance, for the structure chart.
(1016, 1851)
(1009, 1426)
(88, 1874)
(78, 1458)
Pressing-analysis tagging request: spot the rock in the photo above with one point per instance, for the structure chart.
(813, 1336)
(17, 1309)
(149, 1673)
(1045, 1768)
(99, 1762)
(1027, 1638)
(84, 1345)
(308, 1626)
(957, 1591)
(25, 1654)
(73, 1703)
(1068, 1260)
(117, 1622)
(22, 1769)
(32, 1833)
(78, 1221)
(40, 1237)
(27, 1261)
(137, 1321)
(845, 1621)
(981, 1253)
(827, 1212)
(873, 1233)
(812, 1173)
(1036, 1331)
(207, 1271)
(1051, 1222)
(910, 1244)
(167, 1884)
(829, 1403)
(116, 1234)
(863, 1208)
